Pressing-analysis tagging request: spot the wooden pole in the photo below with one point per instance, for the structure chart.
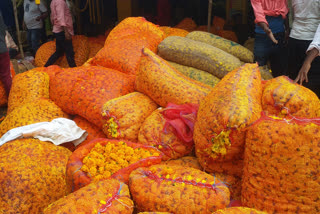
(209, 15)
(17, 26)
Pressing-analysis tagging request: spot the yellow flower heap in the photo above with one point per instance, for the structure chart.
(105, 160)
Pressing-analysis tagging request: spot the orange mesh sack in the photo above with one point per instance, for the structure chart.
(232, 105)
(228, 34)
(27, 87)
(239, 210)
(3, 94)
(218, 23)
(281, 165)
(154, 213)
(84, 90)
(107, 158)
(107, 196)
(80, 47)
(232, 182)
(122, 50)
(41, 110)
(187, 161)
(171, 31)
(187, 24)
(32, 175)
(177, 189)
(154, 132)
(281, 97)
(94, 48)
(92, 130)
(123, 116)
(162, 83)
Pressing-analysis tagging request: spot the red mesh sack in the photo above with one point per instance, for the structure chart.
(232, 105)
(84, 90)
(32, 175)
(123, 116)
(27, 87)
(177, 189)
(107, 196)
(122, 50)
(3, 94)
(281, 165)
(187, 161)
(281, 97)
(92, 130)
(152, 133)
(162, 83)
(79, 176)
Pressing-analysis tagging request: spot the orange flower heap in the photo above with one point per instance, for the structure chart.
(104, 160)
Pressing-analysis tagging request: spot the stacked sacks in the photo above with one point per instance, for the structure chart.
(123, 116)
(232, 105)
(170, 130)
(83, 90)
(281, 165)
(239, 210)
(171, 31)
(187, 24)
(122, 49)
(80, 47)
(187, 161)
(282, 97)
(163, 84)
(32, 175)
(107, 196)
(27, 87)
(197, 54)
(105, 158)
(177, 189)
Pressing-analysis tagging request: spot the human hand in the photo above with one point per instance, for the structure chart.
(67, 35)
(303, 73)
(268, 31)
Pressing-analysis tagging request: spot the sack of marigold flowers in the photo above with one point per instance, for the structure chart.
(177, 189)
(187, 161)
(170, 130)
(281, 165)
(32, 175)
(106, 196)
(108, 158)
(219, 132)
(281, 96)
(239, 210)
(123, 116)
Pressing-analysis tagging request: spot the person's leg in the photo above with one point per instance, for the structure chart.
(5, 75)
(29, 40)
(35, 39)
(261, 49)
(60, 48)
(70, 53)
(294, 63)
(278, 56)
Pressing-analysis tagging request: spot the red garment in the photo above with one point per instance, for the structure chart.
(5, 74)
(263, 8)
(61, 16)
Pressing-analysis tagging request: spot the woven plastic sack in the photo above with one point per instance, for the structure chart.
(107, 196)
(41, 110)
(239, 210)
(177, 189)
(187, 24)
(232, 105)
(123, 116)
(77, 177)
(27, 87)
(122, 50)
(32, 175)
(84, 90)
(171, 31)
(92, 130)
(158, 80)
(3, 94)
(152, 133)
(81, 52)
(187, 161)
(281, 97)
(281, 165)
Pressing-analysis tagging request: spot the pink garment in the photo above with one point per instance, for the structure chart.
(263, 8)
(61, 16)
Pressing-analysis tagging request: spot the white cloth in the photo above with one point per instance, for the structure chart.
(306, 18)
(58, 131)
(31, 12)
(316, 41)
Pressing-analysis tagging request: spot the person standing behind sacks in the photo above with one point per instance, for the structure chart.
(61, 20)
(5, 75)
(270, 34)
(34, 15)
(304, 44)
